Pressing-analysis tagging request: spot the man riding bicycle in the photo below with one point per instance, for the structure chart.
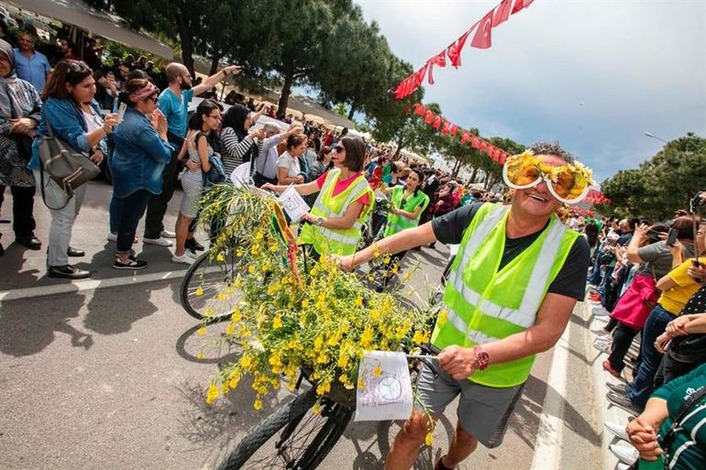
(509, 296)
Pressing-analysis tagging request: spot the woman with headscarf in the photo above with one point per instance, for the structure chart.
(237, 145)
(20, 107)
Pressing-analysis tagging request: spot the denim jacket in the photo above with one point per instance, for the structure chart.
(68, 124)
(139, 156)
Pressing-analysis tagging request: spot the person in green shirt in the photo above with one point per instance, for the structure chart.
(687, 447)
(406, 206)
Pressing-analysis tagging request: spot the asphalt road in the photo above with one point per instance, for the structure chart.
(102, 373)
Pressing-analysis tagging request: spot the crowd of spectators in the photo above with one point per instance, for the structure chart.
(647, 287)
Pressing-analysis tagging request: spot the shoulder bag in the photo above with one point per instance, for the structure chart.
(67, 167)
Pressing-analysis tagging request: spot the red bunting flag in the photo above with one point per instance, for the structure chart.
(483, 37)
(440, 60)
(502, 13)
(419, 109)
(437, 123)
(454, 50)
(454, 130)
(475, 142)
(428, 117)
(445, 128)
(520, 4)
(465, 137)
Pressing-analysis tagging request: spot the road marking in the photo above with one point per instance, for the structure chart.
(87, 284)
(547, 447)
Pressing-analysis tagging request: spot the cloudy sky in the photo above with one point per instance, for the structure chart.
(593, 74)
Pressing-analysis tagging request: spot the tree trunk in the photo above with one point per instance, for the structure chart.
(354, 108)
(284, 97)
(456, 168)
(187, 48)
(215, 62)
(474, 174)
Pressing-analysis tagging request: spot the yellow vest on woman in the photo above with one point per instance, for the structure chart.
(330, 240)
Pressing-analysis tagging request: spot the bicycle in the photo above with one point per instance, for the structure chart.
(305, 438)
(205, 281)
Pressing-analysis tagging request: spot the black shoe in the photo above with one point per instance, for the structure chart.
(132, 263)
(417, 248)
(432, 246)
(193, 245)
(623, 401)
(73, 252)
(68, 272)
(31, 242)
(620, 389)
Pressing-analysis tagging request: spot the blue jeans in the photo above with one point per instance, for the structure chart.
(642, 385)
(130, 210)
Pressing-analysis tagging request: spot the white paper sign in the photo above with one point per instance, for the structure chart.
(387, 389)
(241, 175)
(293, 204)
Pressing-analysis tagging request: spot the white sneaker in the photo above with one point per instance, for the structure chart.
(167, 234)
(618, 430)
(112, 237)
(625, 452)
(186, 258)
(158, 241)
(622, 466)
(602, 345)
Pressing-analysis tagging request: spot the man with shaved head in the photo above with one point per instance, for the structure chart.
(174, 104)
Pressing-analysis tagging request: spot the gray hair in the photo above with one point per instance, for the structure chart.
(554, 148)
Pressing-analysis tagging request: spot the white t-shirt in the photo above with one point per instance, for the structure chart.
(291, 164)
(93, 121)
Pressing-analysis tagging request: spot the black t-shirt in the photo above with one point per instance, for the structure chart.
(571, 279)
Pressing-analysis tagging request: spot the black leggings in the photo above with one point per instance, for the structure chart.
(23, 222)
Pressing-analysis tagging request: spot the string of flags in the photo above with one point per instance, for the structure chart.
(439, 123)
(482, 39)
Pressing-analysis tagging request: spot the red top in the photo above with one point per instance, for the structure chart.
(342, 185)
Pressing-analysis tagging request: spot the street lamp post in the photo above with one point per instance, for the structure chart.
(652, 136)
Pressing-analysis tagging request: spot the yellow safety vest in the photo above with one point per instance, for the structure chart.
(397, 223)
(484, 304)
(337, 241)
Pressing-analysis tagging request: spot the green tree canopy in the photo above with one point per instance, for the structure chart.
(662, 184)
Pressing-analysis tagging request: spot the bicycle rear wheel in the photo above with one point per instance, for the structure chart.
(292, 437)
(206, 289)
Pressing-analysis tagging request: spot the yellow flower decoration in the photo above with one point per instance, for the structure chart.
(429, 439)
(199, 292)
(211, 394)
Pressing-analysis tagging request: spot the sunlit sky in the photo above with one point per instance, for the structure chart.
(593, 75)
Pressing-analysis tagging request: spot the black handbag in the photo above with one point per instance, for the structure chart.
(67, 167)
(690, 349)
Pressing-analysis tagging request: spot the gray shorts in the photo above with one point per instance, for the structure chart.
(484, 412)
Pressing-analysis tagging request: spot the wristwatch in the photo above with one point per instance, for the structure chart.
(482, 359)
(320, 221)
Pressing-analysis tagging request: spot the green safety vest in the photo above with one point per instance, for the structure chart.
(484, 305)
(397, 223)
(337, 241)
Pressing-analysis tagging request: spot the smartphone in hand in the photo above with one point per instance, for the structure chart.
(121, 112)
(672, 237)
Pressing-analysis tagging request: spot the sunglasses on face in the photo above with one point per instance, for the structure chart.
(154, 99)
(338, 149)
(567, 183)
(217, 116)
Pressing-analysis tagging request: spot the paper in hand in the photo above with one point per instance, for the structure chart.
(293, 204)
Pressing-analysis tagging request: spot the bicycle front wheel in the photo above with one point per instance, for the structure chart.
(207, 289)
(293, 437)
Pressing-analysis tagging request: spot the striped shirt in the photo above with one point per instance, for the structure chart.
(234, 149)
